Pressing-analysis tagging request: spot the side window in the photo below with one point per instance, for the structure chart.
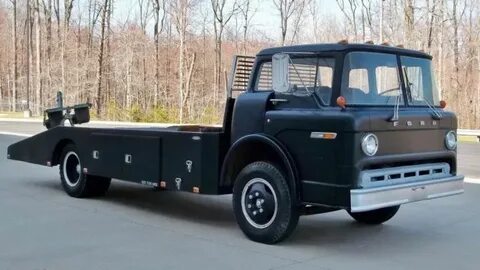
(306, 75)
(387, 80)
(358, 79)
(325, 79)
(264, 78)
(325, 76)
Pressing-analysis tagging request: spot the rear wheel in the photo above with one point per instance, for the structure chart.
(377, 216)
(74, 181)
(263, 204)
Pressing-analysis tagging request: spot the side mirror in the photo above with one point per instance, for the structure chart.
(280, 66)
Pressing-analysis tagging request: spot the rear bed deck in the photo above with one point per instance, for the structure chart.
(186, 158)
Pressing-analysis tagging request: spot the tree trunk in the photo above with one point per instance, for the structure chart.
(441, 50)
(408, 12)
(181, 58)
(455, 44)
(68, 5)
(99, 95)
(48, 18)
(29, 52)
(15, 57)
(156, 33)
(38, 90)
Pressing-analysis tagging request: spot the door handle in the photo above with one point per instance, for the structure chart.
(278, 100)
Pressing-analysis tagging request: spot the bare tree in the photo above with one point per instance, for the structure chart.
(349, 9)
(221, 17)
(38, 61)
(157, 30)
(431, 23)
(455, 26)
(297, 19)
(286, 8)
(180, 10)
(367, 15)
(382, 11)
(409, 20)
(28, 23)
(68, 6)
(99, 95)
(15, 57)
(248, 12)
(47, 11)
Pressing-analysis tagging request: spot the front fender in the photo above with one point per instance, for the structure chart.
(237, 158)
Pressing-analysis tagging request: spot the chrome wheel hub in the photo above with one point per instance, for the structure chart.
(259, 203)
(71, 169)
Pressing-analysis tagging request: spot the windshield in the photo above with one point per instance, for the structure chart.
(419, 81)
(371, 79)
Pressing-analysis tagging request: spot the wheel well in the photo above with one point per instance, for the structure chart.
(251, 151)
(58, 150)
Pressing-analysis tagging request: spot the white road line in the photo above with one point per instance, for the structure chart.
(15, 134)
(472, 180)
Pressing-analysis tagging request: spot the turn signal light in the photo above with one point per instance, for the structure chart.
(341, 102)
(443, 104)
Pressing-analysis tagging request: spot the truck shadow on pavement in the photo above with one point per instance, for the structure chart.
(332, 229)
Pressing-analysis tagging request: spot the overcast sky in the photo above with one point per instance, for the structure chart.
(266, 18)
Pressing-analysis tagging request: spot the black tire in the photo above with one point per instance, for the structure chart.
(375, 217)
(74, 181)
(263, 203)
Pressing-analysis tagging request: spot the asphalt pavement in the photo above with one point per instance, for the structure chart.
(136, 227)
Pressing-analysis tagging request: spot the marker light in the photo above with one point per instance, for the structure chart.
(451, 140)
(370, 144)
(443, 104)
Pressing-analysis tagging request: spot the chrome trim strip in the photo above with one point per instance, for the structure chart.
(374, 198)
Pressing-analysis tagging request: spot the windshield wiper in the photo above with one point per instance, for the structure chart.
(436, 113)
(396, 109)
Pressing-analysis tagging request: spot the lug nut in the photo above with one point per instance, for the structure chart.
(249, 206)
(256, 194)
(250, 197)
(262, 200)
(254, 213)
(261, 210)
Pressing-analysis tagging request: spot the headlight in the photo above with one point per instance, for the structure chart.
(451, 140)
(370, 144)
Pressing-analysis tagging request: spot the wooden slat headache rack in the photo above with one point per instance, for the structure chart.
(241, 69)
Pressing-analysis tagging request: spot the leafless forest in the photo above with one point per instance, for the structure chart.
(167, 60)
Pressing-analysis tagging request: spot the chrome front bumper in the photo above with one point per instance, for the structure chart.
(367, 199)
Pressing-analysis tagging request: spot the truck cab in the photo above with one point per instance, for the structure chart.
(315, 128)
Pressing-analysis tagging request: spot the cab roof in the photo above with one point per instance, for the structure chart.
(340, 47)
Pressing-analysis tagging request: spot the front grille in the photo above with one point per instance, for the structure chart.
(403, 174)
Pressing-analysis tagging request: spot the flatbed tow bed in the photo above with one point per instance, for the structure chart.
(318, 128)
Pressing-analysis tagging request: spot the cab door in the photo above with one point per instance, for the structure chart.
(299, 116)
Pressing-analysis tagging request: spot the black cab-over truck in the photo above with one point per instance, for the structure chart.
(316, 128)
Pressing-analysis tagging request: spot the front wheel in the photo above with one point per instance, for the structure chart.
(377, 216)
(264, 206)
(74, 181)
